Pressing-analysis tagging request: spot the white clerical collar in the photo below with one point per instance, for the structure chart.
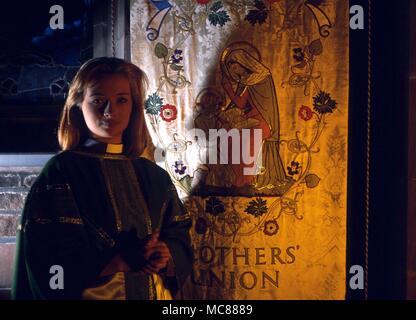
(101, 147)
(114, 148)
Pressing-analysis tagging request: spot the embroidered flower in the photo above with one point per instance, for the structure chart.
(294, 168)
(201, 226)
(298, 54)
(322, 103)
(203, 1)
(180, 167)
(153, 103)
(168, 112)
(305, 113)
(257, 207)
(177, 56)
(214, 206)
(270, 227)
(257, 15)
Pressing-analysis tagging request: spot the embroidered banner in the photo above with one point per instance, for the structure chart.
(269, 222)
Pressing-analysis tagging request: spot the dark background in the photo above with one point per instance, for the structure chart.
(388, 153)
(36, 66)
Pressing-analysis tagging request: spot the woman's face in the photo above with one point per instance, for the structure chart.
(236, 70)
(107, 107)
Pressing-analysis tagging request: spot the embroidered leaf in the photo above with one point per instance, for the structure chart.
(217, 16)
(153, 104)
(214, 206)
(216, 6)
(186, 182)
(315, 47)
(312, 180)
(176, 67)
(258, 15)
(257, 207)
(161, 51)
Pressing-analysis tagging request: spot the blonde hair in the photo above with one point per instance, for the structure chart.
(72, 127)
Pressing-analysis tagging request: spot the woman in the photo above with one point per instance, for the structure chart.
(256, 95)
(110, 220)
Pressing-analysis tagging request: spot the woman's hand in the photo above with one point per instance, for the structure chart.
(157, 255)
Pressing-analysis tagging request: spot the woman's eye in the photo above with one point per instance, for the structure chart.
(97, 101)
(122, 100)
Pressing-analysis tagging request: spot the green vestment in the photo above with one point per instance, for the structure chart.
(79, 203)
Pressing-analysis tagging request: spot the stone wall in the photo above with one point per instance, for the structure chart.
(17, 174)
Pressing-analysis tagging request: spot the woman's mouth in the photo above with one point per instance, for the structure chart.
(108, 123)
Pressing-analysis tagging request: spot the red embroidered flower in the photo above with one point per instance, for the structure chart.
(270, 227)
(305, 113)
(203, 1)
(168, 112)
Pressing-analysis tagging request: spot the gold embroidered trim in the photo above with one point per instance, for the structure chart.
(70, 220)
(63, 220)
(103, 156)
(100, 231)
(182, 217)
(136, 184)
(105, 236)
(58, 187)
(111, 195)
(42, 221)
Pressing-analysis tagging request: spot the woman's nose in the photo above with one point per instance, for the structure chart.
(107, 109)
